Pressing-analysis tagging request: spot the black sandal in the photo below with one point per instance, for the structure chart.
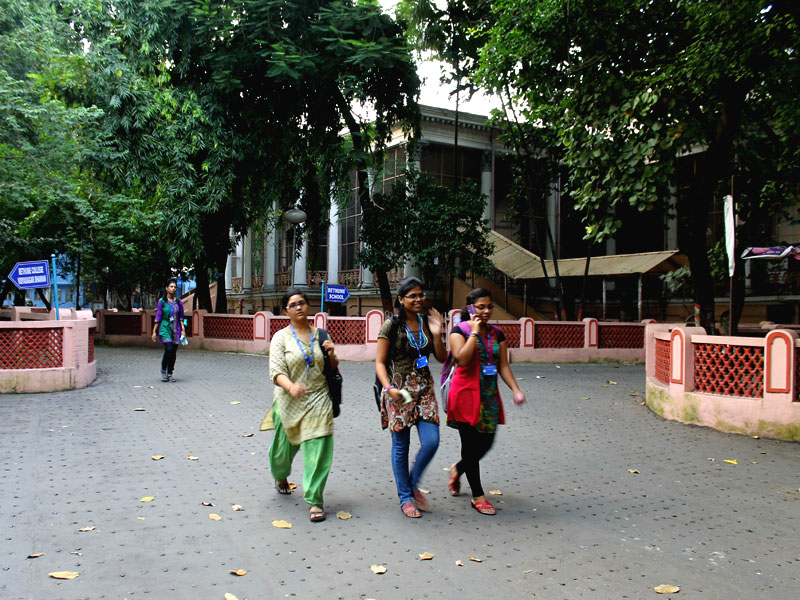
(315, 516)
(283, 487)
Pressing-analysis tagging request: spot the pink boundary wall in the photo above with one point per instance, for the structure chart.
(76, 371)
(774, 415)
(258, 340)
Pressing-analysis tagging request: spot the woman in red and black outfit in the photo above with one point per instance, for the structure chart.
(474, 407)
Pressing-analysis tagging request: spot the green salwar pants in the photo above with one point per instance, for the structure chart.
(317, 459)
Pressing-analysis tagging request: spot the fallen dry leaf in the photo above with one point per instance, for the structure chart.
(711, 459)
(459, 563)
(147, 499)
(235, 402)
(635, 394)
(248, 435)
(138, 409)
(495, 492)
(378, 569)
(642, 403)
(157, 456)
(667, 589)
(731, 461)
(633, 471)
(756, 437)
(237, 507)
(473, 559)
(281, 524)
(150, 387)
(140, 518)
(426, 556)
(64, 574)
(238, 572)
(343, 515)
(88, 528)
(586, 398)
(609, 382)
(35, 555)
(230, 597)
(215, 517)
(423, 491)
(207, 503)
(190, 457)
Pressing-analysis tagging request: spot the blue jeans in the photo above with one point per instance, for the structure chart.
(407, 481)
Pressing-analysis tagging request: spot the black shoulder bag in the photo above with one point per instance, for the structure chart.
(332, 376)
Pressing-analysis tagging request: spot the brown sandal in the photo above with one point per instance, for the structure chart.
(410, 510)
(283, 487)
(316, 513)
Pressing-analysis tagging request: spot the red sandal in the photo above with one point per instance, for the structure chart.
(455, 481)
(484, 507)
(410, 510)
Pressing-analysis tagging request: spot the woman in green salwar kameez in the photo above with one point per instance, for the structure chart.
(301, 413)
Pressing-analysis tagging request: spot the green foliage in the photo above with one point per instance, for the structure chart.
(626, 87)
(424, 222)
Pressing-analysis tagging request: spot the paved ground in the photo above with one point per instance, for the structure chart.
(572, 522)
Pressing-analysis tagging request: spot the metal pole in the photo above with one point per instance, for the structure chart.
(604, 298)
(322, 303)
(55, 285)
(640, 297)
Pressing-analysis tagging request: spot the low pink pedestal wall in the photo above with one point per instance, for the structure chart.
(46, 356)
(733, 384)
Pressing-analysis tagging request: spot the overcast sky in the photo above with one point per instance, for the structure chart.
(433, 93)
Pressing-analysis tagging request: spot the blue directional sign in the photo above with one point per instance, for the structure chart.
(336, 293)
(30, 275)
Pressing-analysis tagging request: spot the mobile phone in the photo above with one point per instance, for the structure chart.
(471, 309)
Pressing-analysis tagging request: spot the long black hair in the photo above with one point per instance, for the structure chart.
(473, 297)
(403, 287)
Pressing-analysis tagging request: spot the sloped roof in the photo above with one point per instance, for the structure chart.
(519, 263)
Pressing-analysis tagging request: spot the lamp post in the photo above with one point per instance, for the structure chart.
(295, 216)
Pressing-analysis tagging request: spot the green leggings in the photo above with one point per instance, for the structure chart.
(317, 459)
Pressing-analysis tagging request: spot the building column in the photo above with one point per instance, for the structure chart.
(487, 187)
(270, 241)
(411, 269)
(229, 272)
(247, 262)
(299, 276)
(333, 244)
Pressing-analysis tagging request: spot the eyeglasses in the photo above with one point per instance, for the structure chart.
(296, 305)
(421, 296)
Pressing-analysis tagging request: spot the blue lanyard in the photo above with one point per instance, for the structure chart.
(420, 343)
(309, 357)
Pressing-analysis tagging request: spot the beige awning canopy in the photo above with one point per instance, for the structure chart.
(519, 263)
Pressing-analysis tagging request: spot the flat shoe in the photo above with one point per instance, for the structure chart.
(283, 487)
(315, 516)
(410, 510)
(484, 507)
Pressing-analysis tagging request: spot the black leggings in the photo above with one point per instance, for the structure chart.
(168, 360)
(474, 446)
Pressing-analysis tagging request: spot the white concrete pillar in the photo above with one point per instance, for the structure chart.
(299, 276)
(270, 253)
(228, 273)
(247, 262)
(333, 244)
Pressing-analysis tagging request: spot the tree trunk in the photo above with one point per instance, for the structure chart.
(40, 293)
(221, 261)
(202, 292)
(77, 283)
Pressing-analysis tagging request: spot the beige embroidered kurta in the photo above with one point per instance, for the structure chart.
(310, 416)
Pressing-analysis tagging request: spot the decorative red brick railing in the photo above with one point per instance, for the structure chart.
(228, 328)
(729, 370)
(554, 335)
(90, 351)
(25, 348)
(622, 335)
(122, 323)
(347, 330)
(662, 361)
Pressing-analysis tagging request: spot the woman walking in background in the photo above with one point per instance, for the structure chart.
(474, 407)
(301, 413)
(407, 399)
(169, 328)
